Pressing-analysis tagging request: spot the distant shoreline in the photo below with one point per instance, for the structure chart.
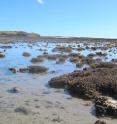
(12, 36)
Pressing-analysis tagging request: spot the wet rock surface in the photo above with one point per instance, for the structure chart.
(26, 54)
(36, 60)
(37, 69)
(106, 106)
(100, 122)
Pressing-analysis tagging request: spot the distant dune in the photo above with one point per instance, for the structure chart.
(18, 34)
(12, 36)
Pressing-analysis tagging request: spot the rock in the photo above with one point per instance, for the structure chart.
(114, 60)
(103, 65)
(101, 54)
(6, 47)
(37, 69)
(2, 55)
(100, 122)
(79, 65)
(89, 83)
(91, 55)
(15, 90)
(52, 57)
(57, 82)
(38, 59)
(62, 49)
(23, 110)
(13, 70)
(87, 60)
(23, 70)
(74, 59)
(26, 54)
(60, 60)
(105, 106)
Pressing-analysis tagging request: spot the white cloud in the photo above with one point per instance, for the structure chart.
(40, 1)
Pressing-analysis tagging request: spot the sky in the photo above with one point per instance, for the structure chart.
(82, 18)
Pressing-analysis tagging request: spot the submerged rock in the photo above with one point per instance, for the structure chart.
(37, 69)
(26, 54)
(13, 70)
(15, 90)
(38, 59)
(23, 110)
(23, 70)
(2, 55)
(62, 49)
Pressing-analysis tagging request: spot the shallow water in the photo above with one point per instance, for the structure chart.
(52, 103)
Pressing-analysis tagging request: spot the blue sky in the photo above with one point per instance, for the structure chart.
(92, 18)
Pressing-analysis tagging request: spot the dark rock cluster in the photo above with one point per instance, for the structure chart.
(99, 80)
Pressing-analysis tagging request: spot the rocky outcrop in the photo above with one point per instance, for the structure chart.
(99, 80)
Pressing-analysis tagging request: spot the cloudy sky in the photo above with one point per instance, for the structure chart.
(94, 18)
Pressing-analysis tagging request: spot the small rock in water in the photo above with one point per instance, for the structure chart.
(23, 110)
(15, 90)
(2, 55)
(23, 70)
(13, 70)
(26, 54)
(37, 69)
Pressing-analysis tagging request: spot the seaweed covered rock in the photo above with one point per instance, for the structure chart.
(106, 106)
(37, 69)
(91, 82)
(103, 65)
